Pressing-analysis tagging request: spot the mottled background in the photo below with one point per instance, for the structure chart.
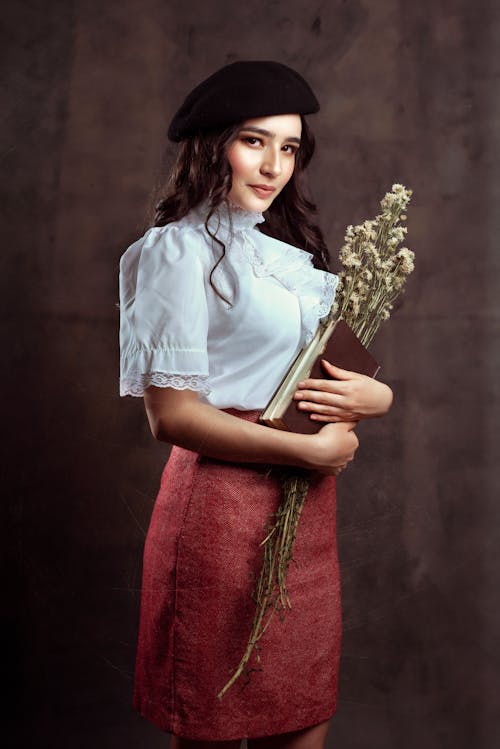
(409, 93)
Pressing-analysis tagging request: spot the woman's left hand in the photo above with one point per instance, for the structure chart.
(349, 397)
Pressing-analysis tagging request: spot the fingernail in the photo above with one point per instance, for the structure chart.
(301, 384)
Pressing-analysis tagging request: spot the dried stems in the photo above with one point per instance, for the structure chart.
(271, 594)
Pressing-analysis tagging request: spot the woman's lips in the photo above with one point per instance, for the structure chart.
(263, 192)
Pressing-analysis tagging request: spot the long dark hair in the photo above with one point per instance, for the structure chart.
(202, 172)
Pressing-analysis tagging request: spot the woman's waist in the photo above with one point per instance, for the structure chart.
(249, 414)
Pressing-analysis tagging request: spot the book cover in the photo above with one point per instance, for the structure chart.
(337, 344)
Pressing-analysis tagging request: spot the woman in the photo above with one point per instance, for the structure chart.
(216, 301)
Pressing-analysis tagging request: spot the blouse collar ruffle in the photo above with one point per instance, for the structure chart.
(228, 215)
(314, 288)
(293, 267)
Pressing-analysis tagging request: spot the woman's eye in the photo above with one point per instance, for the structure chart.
(250, 139)
(293, 149)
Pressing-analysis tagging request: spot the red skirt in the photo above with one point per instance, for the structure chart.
(201, 558)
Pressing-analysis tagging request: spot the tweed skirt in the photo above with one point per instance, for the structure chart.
(201, 558)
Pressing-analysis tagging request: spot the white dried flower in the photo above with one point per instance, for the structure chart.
(406, 256)
(355, 303)
(361, 284)
(349, 258)
(397, 233)
(389, 264)
(373, 271)
(373, 254)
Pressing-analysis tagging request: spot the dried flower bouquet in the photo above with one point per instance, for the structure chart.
(372, 277)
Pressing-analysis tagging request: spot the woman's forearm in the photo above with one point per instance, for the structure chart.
(202, 428)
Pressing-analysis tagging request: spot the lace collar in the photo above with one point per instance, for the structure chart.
(227, 215)
(293, 267)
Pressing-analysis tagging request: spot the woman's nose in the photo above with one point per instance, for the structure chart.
(271, 163)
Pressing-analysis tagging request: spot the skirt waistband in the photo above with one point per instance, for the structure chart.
(252, 415)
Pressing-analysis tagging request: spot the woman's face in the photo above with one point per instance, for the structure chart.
(263, 156)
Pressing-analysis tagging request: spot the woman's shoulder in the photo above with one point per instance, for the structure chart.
(173, 242)
(175, 232)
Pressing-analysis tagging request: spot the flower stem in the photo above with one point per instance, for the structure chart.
(270, 590)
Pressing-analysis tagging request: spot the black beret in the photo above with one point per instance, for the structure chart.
(240, 91)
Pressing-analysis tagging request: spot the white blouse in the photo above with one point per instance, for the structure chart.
(176, 332)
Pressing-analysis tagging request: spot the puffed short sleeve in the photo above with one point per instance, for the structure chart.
(163, 313)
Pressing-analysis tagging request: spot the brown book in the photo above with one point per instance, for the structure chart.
(337, 344)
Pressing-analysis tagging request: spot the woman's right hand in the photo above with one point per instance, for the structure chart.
(333, 447)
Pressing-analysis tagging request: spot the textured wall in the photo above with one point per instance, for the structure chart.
(408, 95)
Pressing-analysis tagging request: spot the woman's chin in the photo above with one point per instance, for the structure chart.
(252, 201)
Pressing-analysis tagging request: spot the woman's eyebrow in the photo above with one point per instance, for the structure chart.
(261, 131)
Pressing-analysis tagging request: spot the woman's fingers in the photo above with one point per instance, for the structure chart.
(329, 412)
(338, 372)
(339, 382)
(320, 396)
(328, 417)
(323, 408)
(336, 387)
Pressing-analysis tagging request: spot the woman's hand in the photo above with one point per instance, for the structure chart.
(333, 447)
(349, 397)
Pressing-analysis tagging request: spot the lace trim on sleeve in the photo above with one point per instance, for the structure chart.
(136, 384)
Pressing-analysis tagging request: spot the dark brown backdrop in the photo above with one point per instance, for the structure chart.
(409, 93)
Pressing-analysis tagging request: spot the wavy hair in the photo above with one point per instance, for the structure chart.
(202, 171)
